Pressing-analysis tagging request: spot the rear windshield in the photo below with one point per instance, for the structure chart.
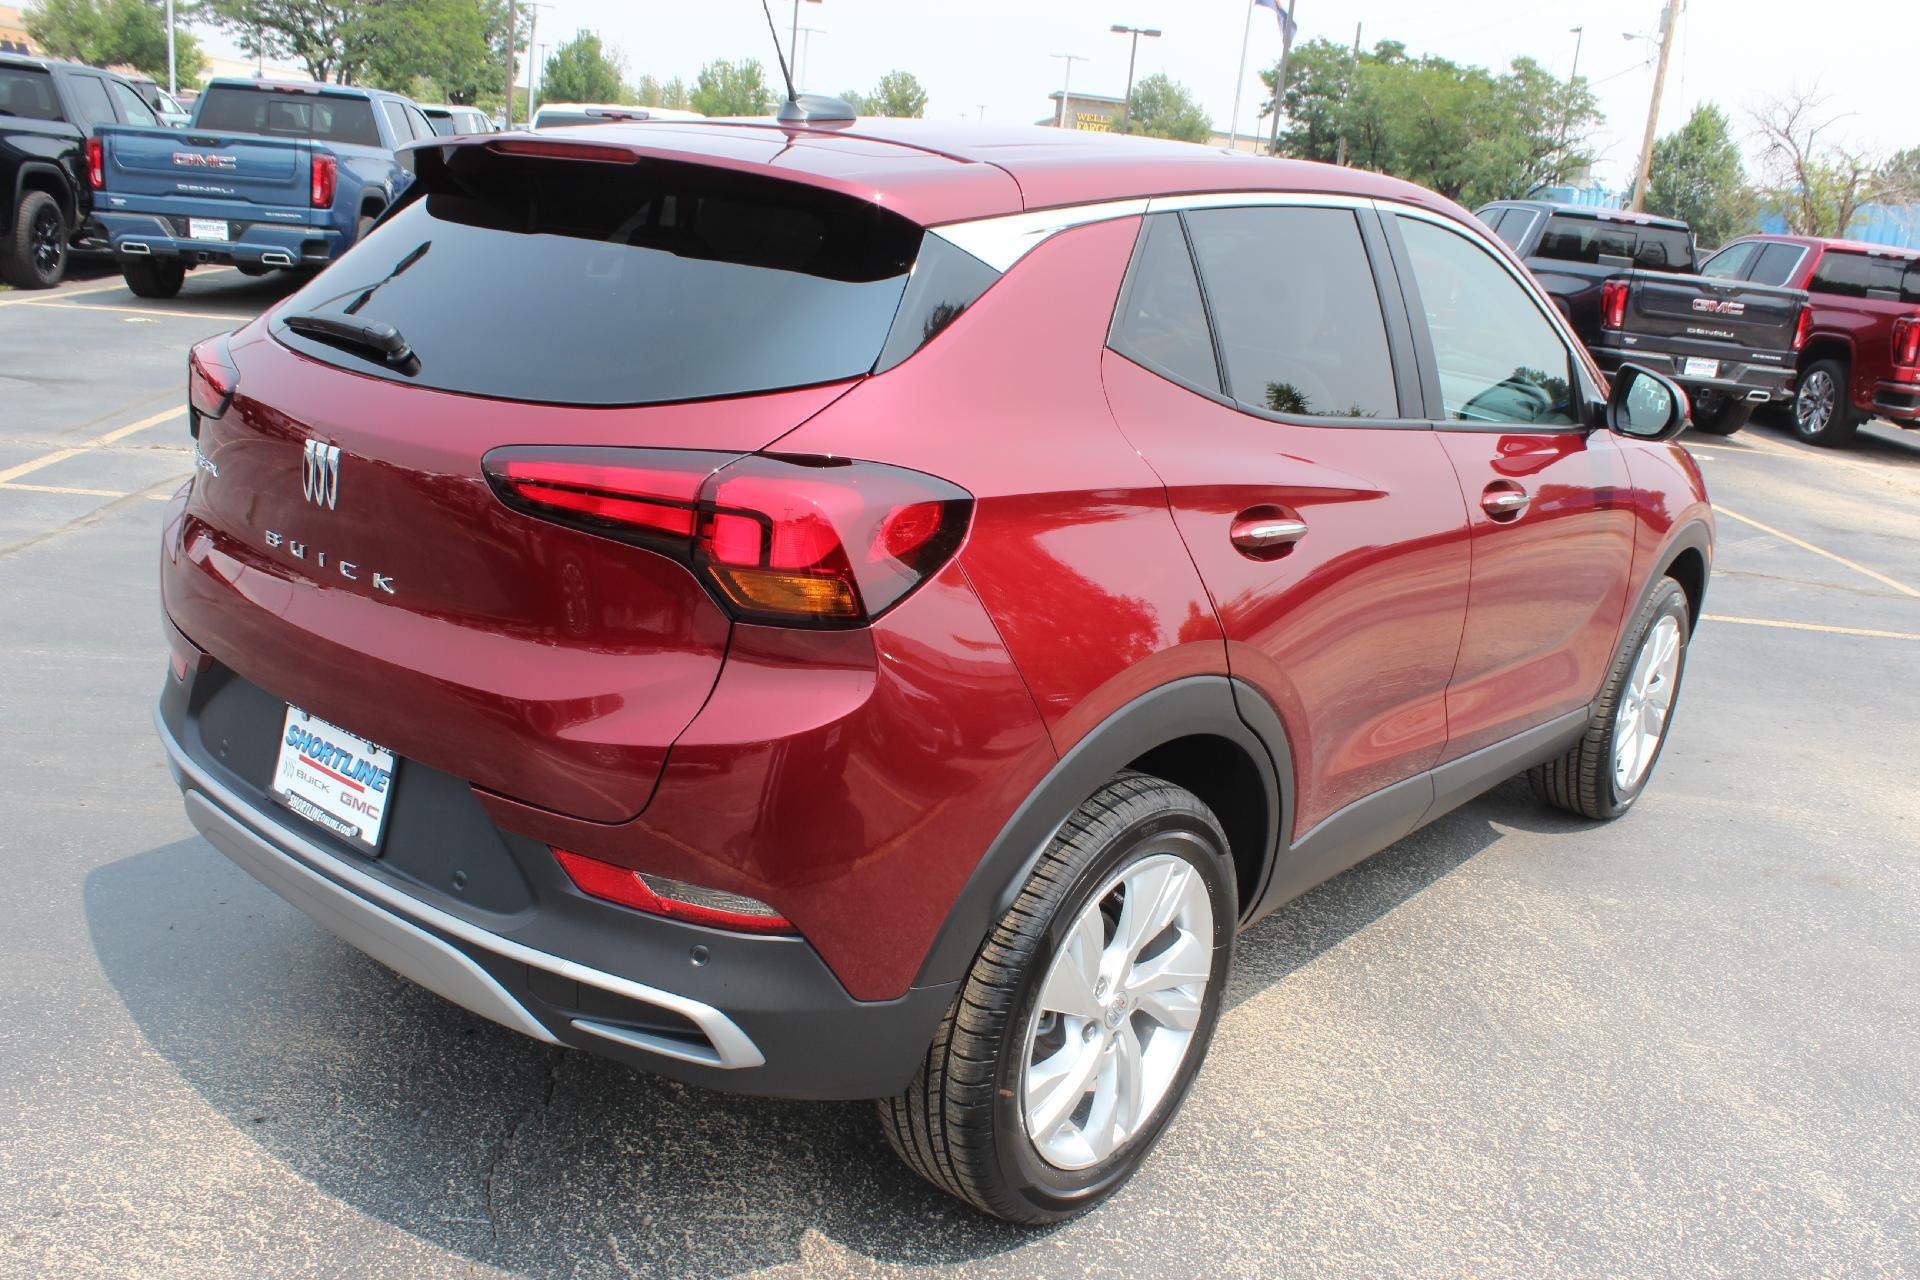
(594, 283)
(1572, 238)
(1857, 275)
(27, 94)
(288, 113)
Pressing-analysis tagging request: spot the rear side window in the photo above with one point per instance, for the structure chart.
(90, 102)
(1732, 262)
(1514, 226)
(1572, 238)
(946, 281)
(1776, 264)
(288, 114)
(27, 94)
(628, 283)
(1162, 323)
(132, 107)
(1296, 311)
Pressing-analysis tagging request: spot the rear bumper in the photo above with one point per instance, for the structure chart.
(1737, 378)
(1899, 401)
(753, 1015)
(266, 244)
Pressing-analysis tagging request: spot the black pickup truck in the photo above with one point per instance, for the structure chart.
(1731, 344)
(1573, 250)
(48, 110)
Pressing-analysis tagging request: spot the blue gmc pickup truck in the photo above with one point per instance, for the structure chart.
(267, 175)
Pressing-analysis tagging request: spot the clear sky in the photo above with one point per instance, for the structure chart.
(992, 55)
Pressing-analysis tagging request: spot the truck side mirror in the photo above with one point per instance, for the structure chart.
(1645, 405)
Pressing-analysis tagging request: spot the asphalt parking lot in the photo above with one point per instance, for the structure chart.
(1686, 1044)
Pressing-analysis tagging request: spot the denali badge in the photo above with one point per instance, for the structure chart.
(1716, 307)
(201, 160)
(345, 568)
(320, 474)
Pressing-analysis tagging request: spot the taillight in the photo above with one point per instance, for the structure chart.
(96, 164)
(1613, 304)
(324, 172)
(1802, 328)
(792, 541)
(674, 899)
(1906, 341)
(211, 380)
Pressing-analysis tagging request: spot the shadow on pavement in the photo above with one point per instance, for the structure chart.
(552, 1163)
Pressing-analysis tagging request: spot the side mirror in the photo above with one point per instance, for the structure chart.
(1645, 405)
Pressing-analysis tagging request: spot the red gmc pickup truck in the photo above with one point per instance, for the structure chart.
(1860, 353)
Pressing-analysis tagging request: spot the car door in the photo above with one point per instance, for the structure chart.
(1548, 498)
(1321, 512)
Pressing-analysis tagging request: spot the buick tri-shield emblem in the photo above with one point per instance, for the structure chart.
(320, 474)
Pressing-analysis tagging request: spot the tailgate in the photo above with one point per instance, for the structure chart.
(1730, 313)
(207, 166)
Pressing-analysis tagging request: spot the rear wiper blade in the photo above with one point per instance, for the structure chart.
(373, 336)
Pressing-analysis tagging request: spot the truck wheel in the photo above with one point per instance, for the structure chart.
(1823, 411)
(153, 277)
(1083, 1021)
(34, 256)
(1722, 417)
(1608, 768)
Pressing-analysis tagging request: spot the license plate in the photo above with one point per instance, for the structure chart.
(208, 229)
(334, 779)
(1695, 367)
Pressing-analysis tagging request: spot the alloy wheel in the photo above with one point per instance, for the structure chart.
(1813, 406)
(1116, 1015)
(1642, 717)
(46, 242)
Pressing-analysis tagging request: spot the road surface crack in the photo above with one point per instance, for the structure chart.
(503, 1150)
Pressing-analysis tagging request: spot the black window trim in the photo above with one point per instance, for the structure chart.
(1399, 341)
(1590, 396)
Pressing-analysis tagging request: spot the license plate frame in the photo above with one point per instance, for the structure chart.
(213, 229)
(334, 779)
(1699, 367)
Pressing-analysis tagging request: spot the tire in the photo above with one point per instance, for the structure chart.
(1723, 417)
(252, 270)
(1823, 411)
(1592, 780)
(363, 226)
(153, 277)
(963, 1122)
(34, 254)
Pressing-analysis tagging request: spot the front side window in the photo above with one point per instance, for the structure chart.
(1162, 323)
(1296, 311)
(1498, 357)
(1731, 263)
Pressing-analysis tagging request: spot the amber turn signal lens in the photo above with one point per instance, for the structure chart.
(795, 593)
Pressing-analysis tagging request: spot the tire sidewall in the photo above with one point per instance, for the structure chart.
(1063, 1192)
(32, 208)
(1835, 425)
(1669, 601)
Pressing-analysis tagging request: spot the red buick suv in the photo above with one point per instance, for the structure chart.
(871, 611)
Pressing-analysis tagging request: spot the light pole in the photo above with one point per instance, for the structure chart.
(1066, 85)
(513, 26)
(1150, 33)
(533, 53)
(1579, 34)
(173, 82)
(806, 47)
(793, 41)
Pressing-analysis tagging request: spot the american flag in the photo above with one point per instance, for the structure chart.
(1287, 25)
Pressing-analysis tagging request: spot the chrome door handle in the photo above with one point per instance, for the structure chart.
(1264, 535)
(1501, 503)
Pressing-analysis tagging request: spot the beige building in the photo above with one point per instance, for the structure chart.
(13, 33)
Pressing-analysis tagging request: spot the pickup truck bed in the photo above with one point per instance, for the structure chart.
(1728, 343)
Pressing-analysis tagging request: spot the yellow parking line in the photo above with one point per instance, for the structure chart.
(64, 293)
(61, 455)
(1813, 626)
(155, 312)
(62, 488)
(1901, 587)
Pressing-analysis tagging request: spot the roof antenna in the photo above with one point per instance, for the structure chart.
(804, 108)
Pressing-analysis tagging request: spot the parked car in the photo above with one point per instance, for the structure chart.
(1861, 354)
(552, 115)
(1573, 250)
(896, 661)
(269, 175)
(47, 110)
(448, 121)
(1730, 344)
(169, 109)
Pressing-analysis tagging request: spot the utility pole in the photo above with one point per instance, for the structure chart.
(513, 25)
(533, 52)
(1353, 69)
(1667, 24)
(1066, 86)
(1280, 76)
(1579, 34)
(1233, 121)
(1151, 33)
(173, 81)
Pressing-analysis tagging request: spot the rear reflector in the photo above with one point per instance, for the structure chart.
(790, 541)
(211, 380)
(1613, 304)
(674, 899)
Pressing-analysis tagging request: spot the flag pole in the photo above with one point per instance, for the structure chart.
(1287, 29)
(1233, 124)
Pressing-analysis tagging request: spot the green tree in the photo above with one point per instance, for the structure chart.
(112, 33)
(581, 70)
(446, 50)
(1697, 176)
(899, 93)
(1164, 108)
(1816, 181)
(332, 39)
(732, 89)
(862, 105)
(649, 92)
